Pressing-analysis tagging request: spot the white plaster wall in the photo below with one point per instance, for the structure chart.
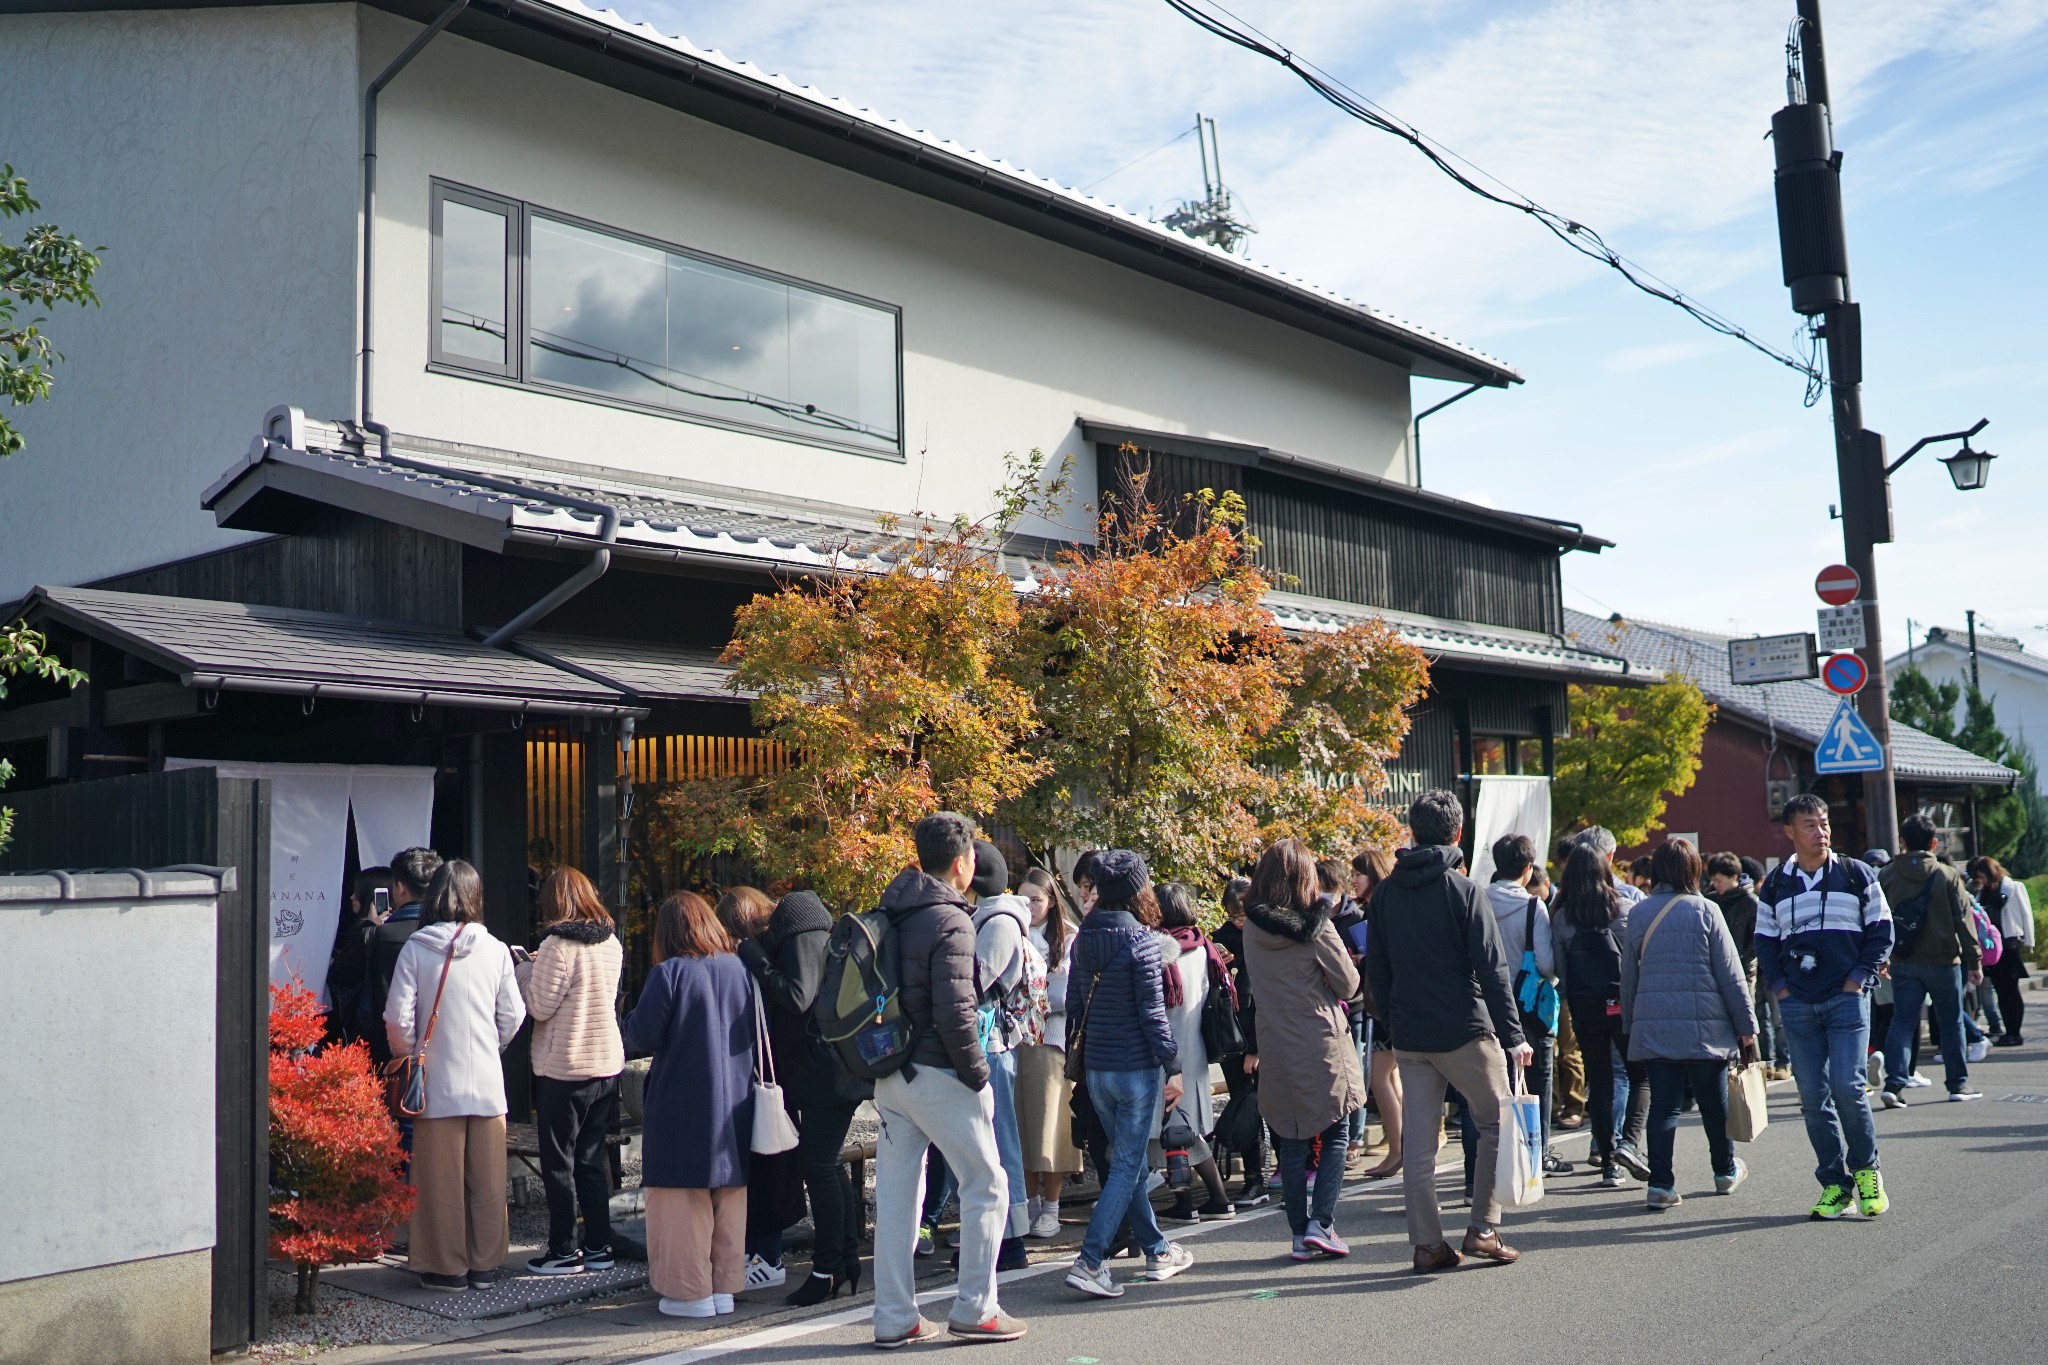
(213, 152)
(106, 1060)
(2019, 696)
(1006, 337)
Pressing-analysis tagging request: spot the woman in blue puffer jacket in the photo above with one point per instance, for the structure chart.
(1132, 1062)
(1686, 1008)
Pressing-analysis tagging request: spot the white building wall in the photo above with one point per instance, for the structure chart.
(2019, 695)
(213, 153)
(1006, 337)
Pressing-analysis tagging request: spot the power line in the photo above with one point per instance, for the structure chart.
(1185, 132)
(1572, 233)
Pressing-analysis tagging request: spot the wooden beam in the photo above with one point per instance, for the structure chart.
(150, 702)
(34, 722)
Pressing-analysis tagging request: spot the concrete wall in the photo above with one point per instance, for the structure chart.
(212, 152)
(107, 1062)
(1006, 337)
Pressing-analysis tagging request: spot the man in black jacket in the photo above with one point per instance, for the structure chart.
(411, 873)
(941, 1097)
(1438, 970)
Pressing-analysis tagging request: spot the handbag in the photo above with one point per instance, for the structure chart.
(1075, 1066)
(1533, 990)
(773, 1131)
(1221, 1035)
(405, 1078)
(1240, 1127)
(1748, 1105)
(1518, 1168)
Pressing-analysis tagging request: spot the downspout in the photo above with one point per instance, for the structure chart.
(600, 560)
(1415, 428)
(384, 78)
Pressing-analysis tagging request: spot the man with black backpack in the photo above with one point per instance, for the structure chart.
(1936, 948)
(938, 1094)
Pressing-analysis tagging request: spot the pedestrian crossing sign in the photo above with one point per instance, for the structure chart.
(1847, 746)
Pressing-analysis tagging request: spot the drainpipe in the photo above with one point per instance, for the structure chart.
(1415, 426)
(384, 78)
(600, 560)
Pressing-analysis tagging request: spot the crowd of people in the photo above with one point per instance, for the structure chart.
(1035, 1038)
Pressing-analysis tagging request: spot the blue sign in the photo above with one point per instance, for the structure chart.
(1847, 746)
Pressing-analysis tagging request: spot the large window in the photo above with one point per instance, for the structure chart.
(546, 300)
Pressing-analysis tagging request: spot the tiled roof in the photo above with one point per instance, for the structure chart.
(1515, 650)
(2004, 649)
(1798, 710)
(236, 647)
(650, 672)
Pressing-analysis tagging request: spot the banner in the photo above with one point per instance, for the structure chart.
(1508, 805)
(309, 810)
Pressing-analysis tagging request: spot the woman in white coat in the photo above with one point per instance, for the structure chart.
(1193, 968)
(454, 988)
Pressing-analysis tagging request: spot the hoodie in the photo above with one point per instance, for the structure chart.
(1510, 905)
(1435, 958)
(1946, 936)
(480, 1012)
(935, 938)
(1002, 925)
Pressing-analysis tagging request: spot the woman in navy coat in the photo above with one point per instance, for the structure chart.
(696, 1015)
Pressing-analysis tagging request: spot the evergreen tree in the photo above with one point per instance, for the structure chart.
(2004, 817)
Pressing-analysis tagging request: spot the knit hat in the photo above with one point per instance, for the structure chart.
(799, 912)
(1119, 876)
(991, 873)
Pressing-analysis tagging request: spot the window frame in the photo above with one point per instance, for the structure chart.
(519, 234)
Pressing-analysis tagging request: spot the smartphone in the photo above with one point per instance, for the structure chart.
(520, 954)
(380, 902)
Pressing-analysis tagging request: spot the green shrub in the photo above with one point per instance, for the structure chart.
(2037, 894)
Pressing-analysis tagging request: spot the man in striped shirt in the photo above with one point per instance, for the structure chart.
(1823, 934)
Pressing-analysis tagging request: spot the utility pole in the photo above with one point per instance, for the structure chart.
(1814, 243)
(1971, 617)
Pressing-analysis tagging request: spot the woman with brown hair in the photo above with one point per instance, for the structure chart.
(1309, 1077)
(2012, 918)
(1369, 868)
(1043, 1090)
(571, 986)
(453, 1000)
(775, 1184)
(696, 1015)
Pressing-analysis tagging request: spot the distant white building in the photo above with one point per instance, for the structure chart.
(2014, 680)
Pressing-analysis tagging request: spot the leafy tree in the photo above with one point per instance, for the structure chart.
(1628, 751)
(47, 267)
(2030, 856)
(336, 1190)
(25, 653)
(2004, 817)
(891, 695)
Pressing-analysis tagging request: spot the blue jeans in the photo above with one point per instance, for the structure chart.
(1127, 1102)
(1913, 982)
(1830, 1044)
(1709, 1084)
(1354, 1127)
(1292, 1154)
(1002, 1078)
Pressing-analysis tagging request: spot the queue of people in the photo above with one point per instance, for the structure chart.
(1034, 1040)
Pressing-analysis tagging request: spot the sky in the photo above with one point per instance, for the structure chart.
(1642, 119)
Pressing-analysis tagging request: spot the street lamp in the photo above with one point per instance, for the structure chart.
(1970, 469)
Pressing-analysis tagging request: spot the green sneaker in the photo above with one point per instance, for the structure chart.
(1870, 1196)
(927, 1240)
(1835, 1201)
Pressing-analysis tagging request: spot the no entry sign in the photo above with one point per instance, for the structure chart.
(1838, 585)
(1844, 674)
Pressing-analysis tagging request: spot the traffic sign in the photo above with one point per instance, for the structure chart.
(1844, 674)
(1771, 658)
(1838, 585)
(1841, 628)
(1847, 746)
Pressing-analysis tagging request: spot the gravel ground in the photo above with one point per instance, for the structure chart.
(344, 1319)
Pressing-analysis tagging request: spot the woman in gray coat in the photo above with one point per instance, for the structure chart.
(1687, 1011)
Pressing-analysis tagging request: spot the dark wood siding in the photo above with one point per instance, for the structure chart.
(195, 816)
(341, 561)
(1345, 545)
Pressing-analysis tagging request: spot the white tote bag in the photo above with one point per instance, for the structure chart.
(773, 1132)
(1518, 1171)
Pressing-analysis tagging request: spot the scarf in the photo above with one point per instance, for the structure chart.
(1190, 939)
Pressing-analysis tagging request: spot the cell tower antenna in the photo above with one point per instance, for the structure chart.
(1212, 218)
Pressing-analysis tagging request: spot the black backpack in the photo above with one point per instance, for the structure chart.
(859, 1009)
(1909, 916)
(1592, 962)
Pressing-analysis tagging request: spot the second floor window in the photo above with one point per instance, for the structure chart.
(554, 302)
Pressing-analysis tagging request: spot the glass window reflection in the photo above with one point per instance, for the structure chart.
(473, 307)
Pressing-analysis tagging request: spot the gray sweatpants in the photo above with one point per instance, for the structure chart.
(935, 1109)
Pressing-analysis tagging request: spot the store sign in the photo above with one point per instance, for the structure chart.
(1771, 658)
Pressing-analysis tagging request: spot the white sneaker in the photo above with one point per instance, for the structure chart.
(1097, 1281)
(1958, 1096)
(1873, 1071)
(721, 1303)
(761, 1275)
(1726, 1184)
(1168, 1263)
(1047, 1224)
(1917, 1081)
(689, 1308)
(1978, 1050)
(1892, 1099)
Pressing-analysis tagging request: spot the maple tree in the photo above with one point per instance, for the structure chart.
(889, 694)
(1627, 752)
(337, 1192)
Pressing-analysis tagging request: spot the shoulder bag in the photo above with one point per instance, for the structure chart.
(1076, 1065)
(405, 1078)
(773, 1131)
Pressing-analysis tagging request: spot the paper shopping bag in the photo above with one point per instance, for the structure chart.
(1518, 1174)
(1748, 1104)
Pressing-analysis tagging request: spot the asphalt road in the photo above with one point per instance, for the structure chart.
(1956, 1271)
